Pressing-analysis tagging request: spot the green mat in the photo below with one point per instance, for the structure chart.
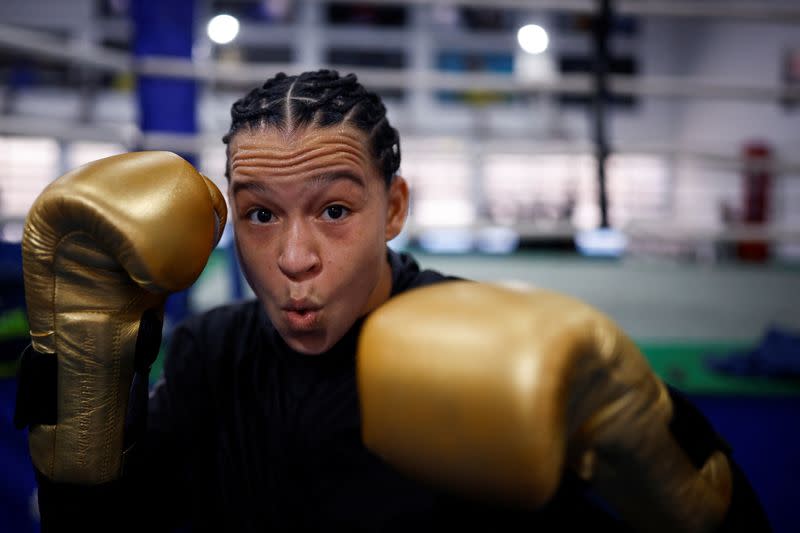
(679, 364)
(683, 365)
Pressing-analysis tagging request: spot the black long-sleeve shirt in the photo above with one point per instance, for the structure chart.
(245, 434)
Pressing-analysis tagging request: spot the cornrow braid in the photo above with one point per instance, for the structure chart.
(319, 98)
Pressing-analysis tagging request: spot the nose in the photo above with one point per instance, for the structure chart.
(299, 258)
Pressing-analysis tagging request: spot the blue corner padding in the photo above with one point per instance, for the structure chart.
(10, 262)
(764, 433)
(18, 512)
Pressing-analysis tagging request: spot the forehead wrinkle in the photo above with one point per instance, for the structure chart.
(264, 153)
(266, 156)
(260, 168)
(299, 141)
(259, 160)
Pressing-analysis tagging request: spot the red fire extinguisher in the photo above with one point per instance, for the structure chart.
(756, 189)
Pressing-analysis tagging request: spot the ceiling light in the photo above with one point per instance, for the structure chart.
(533, 39)
(222, 29)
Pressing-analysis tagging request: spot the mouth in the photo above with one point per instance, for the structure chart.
(301, 316)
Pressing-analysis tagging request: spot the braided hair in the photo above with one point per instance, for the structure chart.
(321, 98)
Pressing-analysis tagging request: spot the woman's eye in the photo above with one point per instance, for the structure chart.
(260, 216)
(335, 212)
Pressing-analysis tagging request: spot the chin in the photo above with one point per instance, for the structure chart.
(306, 350)
(308, 346)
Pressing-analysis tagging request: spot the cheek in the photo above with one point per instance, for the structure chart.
(244, 244)
(353, 254)
(254, 260)
(370, 253)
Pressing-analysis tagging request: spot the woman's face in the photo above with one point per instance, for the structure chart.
(312, 216)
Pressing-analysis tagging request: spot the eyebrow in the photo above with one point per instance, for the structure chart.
(320, 180)
(327, 178)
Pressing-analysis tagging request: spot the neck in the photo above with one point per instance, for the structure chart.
(382, 290)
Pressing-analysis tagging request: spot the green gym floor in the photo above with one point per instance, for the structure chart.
(679, 314)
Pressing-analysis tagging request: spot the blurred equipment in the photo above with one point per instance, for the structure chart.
(791, 78)
(601, 242)
(757, 185)
(776, 356)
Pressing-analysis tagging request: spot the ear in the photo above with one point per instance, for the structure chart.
(397, 208)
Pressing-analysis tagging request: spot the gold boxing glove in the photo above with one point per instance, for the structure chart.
(103, 247)
(493, 392)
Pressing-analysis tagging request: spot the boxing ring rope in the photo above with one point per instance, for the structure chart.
(785, 13)
(45, 46)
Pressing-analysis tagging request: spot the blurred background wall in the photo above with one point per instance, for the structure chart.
(641, 155)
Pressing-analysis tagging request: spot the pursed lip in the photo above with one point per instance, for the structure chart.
(301, 315)
(300, 305)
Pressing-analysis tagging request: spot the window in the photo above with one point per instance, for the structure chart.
(29, 164)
